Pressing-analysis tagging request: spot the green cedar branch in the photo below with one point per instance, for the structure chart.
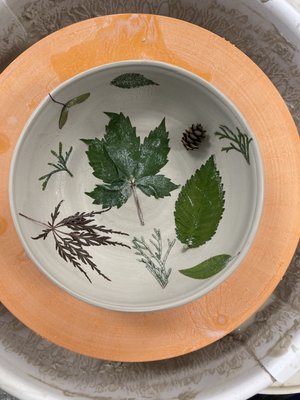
(239, 142)
(152, 256)
(60, 166)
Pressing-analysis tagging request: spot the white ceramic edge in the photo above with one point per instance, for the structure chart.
(285, 14)
(40, 391)
(281, 390)
(26, 391)
(289, 19)
(236, 261)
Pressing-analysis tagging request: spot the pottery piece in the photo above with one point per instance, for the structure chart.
(31, 366)
(152, 226)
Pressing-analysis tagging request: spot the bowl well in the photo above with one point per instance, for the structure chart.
(183, 99)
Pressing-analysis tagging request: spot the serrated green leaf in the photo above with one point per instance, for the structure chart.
(157, 185)
(63, 117)
(207, 268)
(154, 152)
(200, 205)
(88, 141)
(103, 166)
(111, 195)
(77, 100)
(131, 80)
(118, 160)
(122, 144)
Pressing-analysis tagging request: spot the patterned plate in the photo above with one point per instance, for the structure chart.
(50, 311)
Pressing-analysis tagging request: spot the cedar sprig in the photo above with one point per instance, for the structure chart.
(152, 256)
(59, 167)
(239, 142)
(72, 234)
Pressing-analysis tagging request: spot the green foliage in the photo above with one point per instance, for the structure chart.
(111, 195)
(158, 186)
(66, 106)
(63, 117)
(207, 268)
(239, 142)
(124, 164)
(131, 81)
(152, 256)
(77, 100)
(200, 205)
(59, 167)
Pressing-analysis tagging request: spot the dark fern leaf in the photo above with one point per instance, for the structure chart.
(56, 212)
(43, 235)
(76, 232)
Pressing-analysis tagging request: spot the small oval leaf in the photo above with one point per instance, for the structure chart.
(77, 100)
(63, 117)
(131, 81)
(207, 268)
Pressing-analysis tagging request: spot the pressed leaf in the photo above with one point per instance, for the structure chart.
(131, 80)
(154, 151)
(60, 166)
(152, 255)
(157, 185)
(239, 141)
(77, 100)
(122, 163)
(207, 268)
(122, 144)
(111, 195)
(63, 117)
(200, 205)
(74, 234)
(103, 166)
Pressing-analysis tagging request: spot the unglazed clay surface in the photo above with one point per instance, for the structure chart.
(42, 367)
(230, 300)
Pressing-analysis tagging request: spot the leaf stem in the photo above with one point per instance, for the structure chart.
(137, 203)
(36, 221)
(55, 101)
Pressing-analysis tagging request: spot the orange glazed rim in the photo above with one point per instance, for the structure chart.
(119, 336)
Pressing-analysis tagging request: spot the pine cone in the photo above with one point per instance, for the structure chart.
(193, 136)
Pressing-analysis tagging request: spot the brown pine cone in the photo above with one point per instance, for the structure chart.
(193, 136)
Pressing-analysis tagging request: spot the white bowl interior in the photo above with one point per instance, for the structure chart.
(182, 98)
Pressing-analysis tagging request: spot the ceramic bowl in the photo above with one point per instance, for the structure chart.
(136, 186)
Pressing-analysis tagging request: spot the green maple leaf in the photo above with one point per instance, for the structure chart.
(200, 205)
(125, 165)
